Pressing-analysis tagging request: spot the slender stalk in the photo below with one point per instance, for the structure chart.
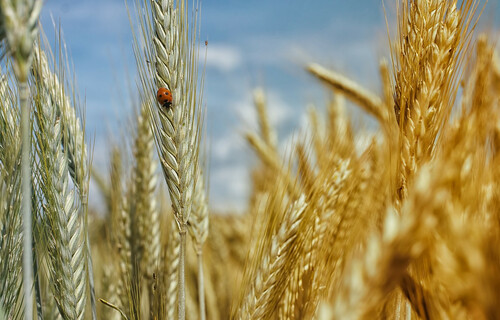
(26, 199)
(18, 27)
(198, 228)
(201, 286)
(170, 270)
(182, 288)
(90, 268)
(38, 290)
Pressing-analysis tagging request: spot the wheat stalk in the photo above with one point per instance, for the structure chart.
(110, 292)
(198, 228)
(11, 234)
(18, 31)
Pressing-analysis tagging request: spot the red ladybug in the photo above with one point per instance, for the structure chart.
(164, 97)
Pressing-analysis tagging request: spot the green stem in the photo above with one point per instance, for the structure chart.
(26, 199)
(90, 268)
(201, 285)
(38, 290)
(182, 289)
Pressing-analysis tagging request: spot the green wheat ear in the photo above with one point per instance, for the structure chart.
(170, 44)
(63, 221)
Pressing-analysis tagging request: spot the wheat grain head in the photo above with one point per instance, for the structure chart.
(64, 223)
(171, 46)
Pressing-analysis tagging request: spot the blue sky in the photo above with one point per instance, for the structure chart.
(250, 43)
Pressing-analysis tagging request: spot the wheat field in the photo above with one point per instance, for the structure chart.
(400, 222)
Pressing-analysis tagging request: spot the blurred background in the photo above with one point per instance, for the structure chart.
(250, 44)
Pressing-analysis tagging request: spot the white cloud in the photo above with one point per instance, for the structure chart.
(98, 15)
(233, 186)
(301, 133)
(278, 111)
(223, 57)
(228, 144)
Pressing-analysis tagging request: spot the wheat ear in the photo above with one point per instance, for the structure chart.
(370, 102)
(339, 135)
(110, 292)
(116, 194)
(176, 128)
(18, 31)
(119, 222)
(332, 219)
(124, 246)
(267, 132)
(198, 221)
(171, 44)
(433, 36)
(73, 139)
(73, 142)
(64, 224)
(198, 228)
(271, 159)
(305, 169)
(260, 301)
(170, 269)
(382, 267)
(317, 129)
(145, 210)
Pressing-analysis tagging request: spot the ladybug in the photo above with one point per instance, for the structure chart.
(164, 97)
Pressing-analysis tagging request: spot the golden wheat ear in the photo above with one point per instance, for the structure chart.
(370, 102)
(433, 39)
(262, 295)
